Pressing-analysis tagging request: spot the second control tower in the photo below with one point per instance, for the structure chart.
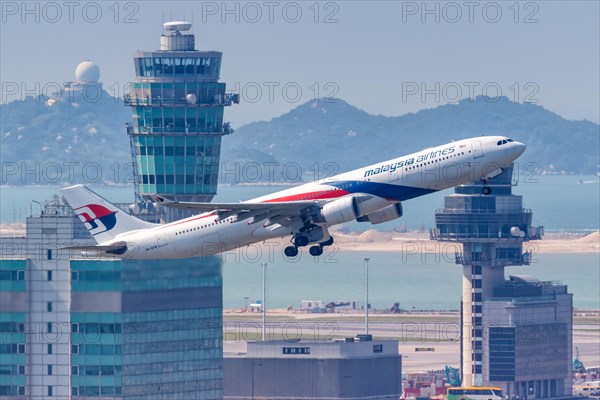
(515, 332)
(177, 103)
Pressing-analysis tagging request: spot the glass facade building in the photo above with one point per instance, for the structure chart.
(177, 103)
(144, 330)
(74, 328)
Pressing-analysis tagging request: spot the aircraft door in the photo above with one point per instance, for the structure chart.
(161, 239)
(476, 149)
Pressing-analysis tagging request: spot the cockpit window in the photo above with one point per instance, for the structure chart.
(501, 142)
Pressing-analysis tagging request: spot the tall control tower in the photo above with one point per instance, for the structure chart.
(178, 105)
(507, 325)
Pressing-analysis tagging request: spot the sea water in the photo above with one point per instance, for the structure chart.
(559, 203)
(416, 281)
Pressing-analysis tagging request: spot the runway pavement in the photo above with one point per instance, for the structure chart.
(441, 333)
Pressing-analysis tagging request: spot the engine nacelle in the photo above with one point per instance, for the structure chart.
(386, 214)
(340, 211)
(368, 204)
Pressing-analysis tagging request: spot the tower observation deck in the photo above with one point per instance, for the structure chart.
(177, 103)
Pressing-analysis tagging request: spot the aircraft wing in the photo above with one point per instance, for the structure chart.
(240, 206)
(281, 212)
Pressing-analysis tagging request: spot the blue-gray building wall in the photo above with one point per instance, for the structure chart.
(324, 379)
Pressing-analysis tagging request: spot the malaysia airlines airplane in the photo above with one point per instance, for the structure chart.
(371, 194)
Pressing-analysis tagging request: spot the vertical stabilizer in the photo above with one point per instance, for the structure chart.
(103, 219)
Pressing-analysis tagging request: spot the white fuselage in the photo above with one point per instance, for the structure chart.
(388, 182)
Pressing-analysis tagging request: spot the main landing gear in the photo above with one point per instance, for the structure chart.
(301, 241)
(290, 251)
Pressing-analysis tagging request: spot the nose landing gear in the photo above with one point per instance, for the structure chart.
(486, 190)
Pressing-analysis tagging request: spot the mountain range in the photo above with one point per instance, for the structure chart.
(325, 135)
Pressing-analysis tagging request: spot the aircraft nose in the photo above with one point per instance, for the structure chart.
(519, 148)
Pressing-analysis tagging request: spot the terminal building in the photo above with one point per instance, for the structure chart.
(78, 328)
(515, 331)
(354, 368)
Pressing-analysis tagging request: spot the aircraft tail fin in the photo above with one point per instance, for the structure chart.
(102, 219)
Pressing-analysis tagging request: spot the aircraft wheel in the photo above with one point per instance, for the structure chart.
(300, 241)
(290, 251)
(315, 251)
(486, 190)
(328, 242)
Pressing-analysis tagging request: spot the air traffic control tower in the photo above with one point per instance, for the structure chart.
(178, 105)
(515, 331)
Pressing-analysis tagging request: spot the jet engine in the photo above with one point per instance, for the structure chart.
(386, 214)
(339, 211)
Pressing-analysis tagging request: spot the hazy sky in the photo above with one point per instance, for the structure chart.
(387, 57)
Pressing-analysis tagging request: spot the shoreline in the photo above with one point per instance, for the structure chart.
(419, 242)
(376, 241)
(372, 240)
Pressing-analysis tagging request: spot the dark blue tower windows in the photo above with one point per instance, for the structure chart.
(195, 67)
(178, 119)
(185, 164)
(160, 94)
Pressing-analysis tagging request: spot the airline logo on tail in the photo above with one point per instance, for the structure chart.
(97, 218)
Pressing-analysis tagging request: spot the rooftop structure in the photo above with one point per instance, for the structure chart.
(355, 368)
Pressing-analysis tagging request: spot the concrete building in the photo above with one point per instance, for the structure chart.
(515, 332)
(35, 302)
(351, 369)
(177, 103)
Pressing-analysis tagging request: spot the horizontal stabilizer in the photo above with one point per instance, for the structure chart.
(99, 251)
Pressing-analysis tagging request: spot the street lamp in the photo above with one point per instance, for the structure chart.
(246, 308)
(264, 301)
(366, 295)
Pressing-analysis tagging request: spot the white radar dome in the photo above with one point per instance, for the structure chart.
(87, 72)
(179, 26)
